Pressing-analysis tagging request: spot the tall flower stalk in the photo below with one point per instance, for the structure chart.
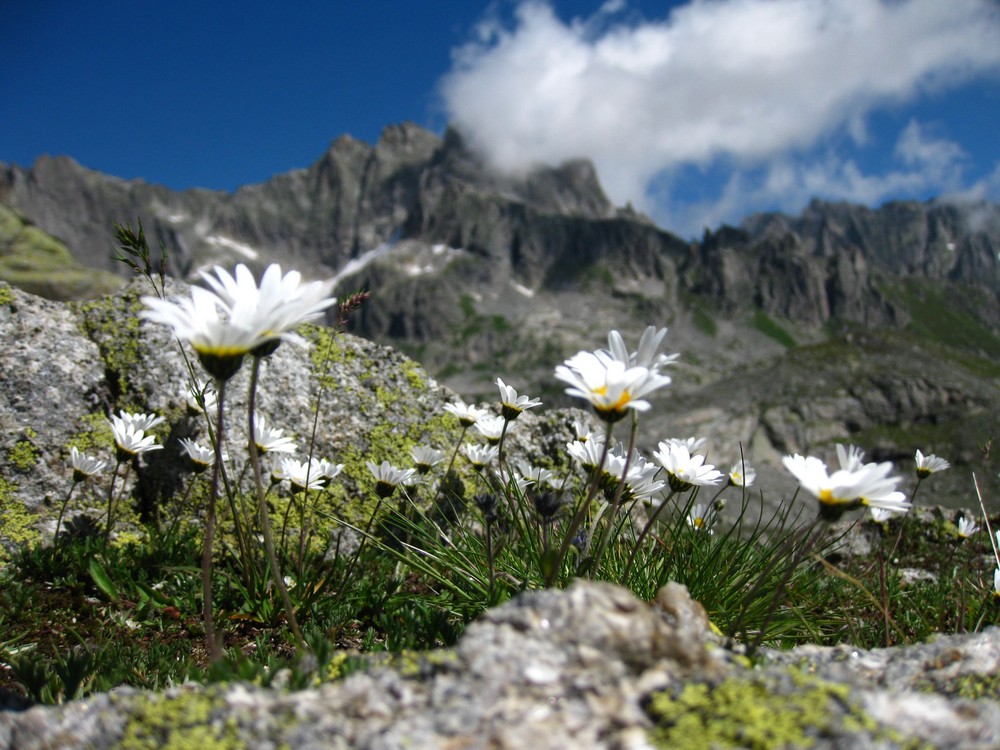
(131, 440)
(83, 466)
(211, 642)
(265, 521)
(224, 324)
(614, 382)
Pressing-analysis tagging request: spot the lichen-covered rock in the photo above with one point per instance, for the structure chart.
(589, 667)
(551, 669)
(65, 368)
(50, 377)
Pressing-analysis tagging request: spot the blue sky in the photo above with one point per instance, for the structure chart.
(696, 112)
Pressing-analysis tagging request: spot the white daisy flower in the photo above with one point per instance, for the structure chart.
(388, 477)
(742, 474)
(84, 466)
(301, 475)
(511, 404)
(200, 456)
(843, 489)
(611, 387)
(466, 414)
(130, 441)
(587, 454)
(929, 464)
(685, 470)
(702, 517)
(967, 527)
(327, 470)
(237, 317)
(270, 440)
(425, 458)
(480, 456)
(881, 515)
(491, 428)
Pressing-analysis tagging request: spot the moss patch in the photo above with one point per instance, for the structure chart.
(40, 264)
(16, 521)
(749, 712)
(770, 328)
(23, 455)
(185, 721)
(113, 324)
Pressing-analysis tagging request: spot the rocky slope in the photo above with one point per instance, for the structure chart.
(877, 325)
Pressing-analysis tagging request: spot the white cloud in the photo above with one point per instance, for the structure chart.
(923, 163)
(754, 84)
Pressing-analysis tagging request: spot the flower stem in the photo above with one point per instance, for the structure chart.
(111, 501)
(642, 536)
(489, 558)
(62, 510)
(211, 642)
(619, 492)
(265, 521)
(581, 512)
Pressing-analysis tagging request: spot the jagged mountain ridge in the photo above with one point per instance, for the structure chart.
(479, 275)
(354, 198)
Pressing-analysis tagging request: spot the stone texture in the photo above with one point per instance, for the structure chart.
(67, 367)
(555, 669)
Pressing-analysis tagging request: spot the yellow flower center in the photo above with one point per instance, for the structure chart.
(618, 405)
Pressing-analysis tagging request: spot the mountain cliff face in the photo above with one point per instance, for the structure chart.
(825, 325)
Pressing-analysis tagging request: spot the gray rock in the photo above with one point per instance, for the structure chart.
(65, 368)
(589, 667)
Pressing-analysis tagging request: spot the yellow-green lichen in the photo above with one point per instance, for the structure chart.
(95, 434)
(414, 376)
(23, 455)
(6, 295)
(973, 686)
(327, 353)
(113, 324)
(183, 721)
(17, 523)
(396, 422)
(747, 712)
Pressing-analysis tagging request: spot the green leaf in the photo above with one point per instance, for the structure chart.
(103, 580)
